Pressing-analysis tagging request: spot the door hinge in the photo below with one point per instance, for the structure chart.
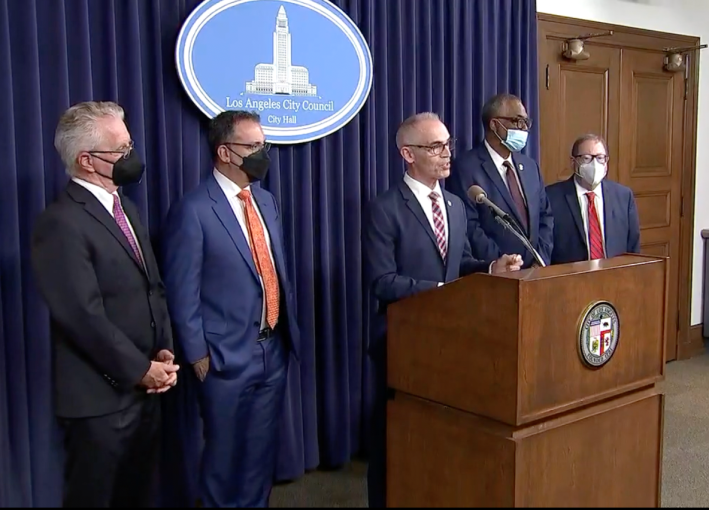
(547, 77)
(686, 87)
(677, 324)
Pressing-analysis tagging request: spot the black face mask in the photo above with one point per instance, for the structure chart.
(126, 170)
(256, 165)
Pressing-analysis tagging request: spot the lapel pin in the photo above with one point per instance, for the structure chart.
(449, 204)
(521, 167)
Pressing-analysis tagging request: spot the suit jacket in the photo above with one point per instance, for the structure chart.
(488, 239)
(108, 316)
(213, 289)
(621, 227)
(401, 255)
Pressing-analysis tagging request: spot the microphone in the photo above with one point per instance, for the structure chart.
(479, 196)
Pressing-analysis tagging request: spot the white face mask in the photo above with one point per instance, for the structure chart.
(592, 173)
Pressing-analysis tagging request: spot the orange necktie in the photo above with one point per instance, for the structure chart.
(262, 260)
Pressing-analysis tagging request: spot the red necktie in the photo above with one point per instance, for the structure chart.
(262, 259)
(595, 237)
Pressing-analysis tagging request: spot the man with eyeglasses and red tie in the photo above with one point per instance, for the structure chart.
(594, 218)
(233, 311)
(511, 180)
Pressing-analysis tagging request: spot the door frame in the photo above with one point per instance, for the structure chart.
(688, 345)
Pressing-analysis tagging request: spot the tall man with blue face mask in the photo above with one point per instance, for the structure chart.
(511, 180)
(594, 218)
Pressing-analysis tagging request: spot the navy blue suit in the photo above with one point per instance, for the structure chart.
(215, 300)
(621, 227)
(401, 258)
(488, 239)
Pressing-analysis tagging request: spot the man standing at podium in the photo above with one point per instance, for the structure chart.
(594, 217)
(414, 239)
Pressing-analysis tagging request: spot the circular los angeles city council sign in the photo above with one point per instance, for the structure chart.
(302, 64)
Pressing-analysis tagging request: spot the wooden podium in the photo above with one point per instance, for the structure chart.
(530, 389)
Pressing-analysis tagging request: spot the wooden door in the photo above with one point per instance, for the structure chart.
(576, 98)
(622, 93)
(650, 160)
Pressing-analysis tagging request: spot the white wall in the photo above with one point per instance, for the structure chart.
(686, 17)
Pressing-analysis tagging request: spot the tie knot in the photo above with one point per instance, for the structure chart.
(507, 165)
(434, 196)
(591, 195)
(244, 194)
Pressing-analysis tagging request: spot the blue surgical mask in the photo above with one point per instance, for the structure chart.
(516, 139)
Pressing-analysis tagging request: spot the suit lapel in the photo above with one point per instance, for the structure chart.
(140, 233)
(415, 207)
(572, 199)
(270, 219)
(609, 213)
(494, 175)
(526, 182)
(455, 227)
(225, 213)
(98, 211)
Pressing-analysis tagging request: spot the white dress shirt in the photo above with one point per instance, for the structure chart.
(422, 192)
(583, 204)
(231, 191)
(106, 199)
(499, 163)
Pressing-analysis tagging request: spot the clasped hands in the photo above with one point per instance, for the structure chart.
(162, 374)
(507, 263)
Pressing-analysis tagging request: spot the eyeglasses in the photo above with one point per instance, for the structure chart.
(436, 149)
(587, 158)
(124, 152)
(519, 122)
(253, 147)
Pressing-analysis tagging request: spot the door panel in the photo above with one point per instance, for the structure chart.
(651, 121)
(582, 98)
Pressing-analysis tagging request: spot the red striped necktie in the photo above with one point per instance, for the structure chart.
(440, 225)
(595, 237)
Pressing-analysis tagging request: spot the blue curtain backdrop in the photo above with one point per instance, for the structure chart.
(446, 56)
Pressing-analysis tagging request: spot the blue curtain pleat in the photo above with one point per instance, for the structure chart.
(446, 56)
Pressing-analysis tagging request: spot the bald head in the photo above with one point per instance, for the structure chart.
(413, 130)
(425, 144)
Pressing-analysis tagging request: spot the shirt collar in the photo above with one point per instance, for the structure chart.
(419, 189)
(496, 158)
(101, 194)
(581, 191)
(229, 187)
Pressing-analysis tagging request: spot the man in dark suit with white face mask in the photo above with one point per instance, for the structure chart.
(594, 217)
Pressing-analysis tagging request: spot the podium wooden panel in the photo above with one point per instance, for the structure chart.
(494, 405)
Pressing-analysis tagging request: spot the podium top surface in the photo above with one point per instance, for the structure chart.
(586, 266)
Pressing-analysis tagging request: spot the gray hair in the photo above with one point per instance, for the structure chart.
(410, 124)
(586, 138)
(77, 130)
